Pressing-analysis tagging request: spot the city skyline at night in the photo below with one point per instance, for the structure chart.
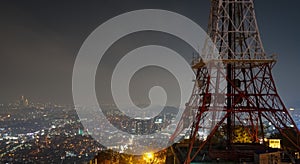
(149, 81)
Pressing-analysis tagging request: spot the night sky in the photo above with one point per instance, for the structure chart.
(39, 41)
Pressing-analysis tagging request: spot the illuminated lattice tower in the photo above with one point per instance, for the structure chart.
(234, 89)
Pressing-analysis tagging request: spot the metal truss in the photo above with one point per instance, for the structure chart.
(234, 87)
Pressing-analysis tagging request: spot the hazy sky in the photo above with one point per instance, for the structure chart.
(39, 41)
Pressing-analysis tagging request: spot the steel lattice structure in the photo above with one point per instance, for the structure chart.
(235, 87)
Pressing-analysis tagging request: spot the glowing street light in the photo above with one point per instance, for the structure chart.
(149, 157)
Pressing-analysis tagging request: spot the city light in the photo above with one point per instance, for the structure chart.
(148, 157)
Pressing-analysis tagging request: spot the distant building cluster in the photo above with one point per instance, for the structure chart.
(46, 133)
(51, 133)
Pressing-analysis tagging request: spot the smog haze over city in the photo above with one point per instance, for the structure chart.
(40, 41)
